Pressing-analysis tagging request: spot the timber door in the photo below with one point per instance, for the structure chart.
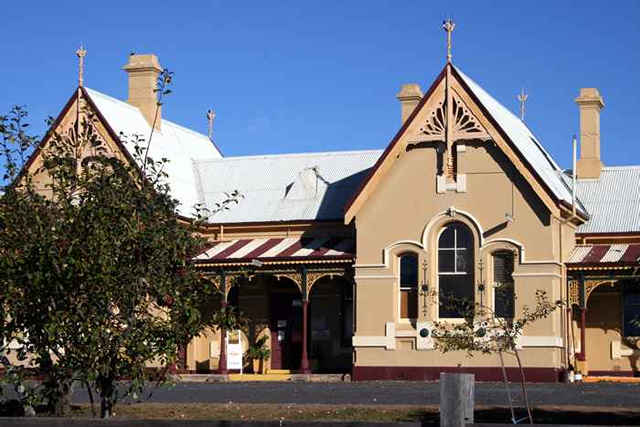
(285, 331)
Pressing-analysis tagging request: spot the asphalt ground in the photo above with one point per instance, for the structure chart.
(618, 395)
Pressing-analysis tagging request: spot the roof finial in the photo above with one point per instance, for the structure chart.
(81, 53)
(210, 116)
(448, 26)
(522, 97)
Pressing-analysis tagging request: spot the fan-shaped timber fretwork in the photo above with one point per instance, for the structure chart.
(465, 125)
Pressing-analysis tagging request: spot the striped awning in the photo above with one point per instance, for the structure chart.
(620, 254)
(290, 248)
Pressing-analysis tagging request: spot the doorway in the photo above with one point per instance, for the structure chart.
(285, 309)
(331, 325)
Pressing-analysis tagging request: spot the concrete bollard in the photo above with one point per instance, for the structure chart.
(456, 399)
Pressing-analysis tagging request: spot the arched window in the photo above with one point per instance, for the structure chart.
(503, 299)
(455, 270)
(409, 286)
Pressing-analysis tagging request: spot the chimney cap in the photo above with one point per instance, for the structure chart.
(590, 96)
(409, 91)
(144, 62)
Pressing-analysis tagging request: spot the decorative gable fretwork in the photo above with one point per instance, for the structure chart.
(465, 125)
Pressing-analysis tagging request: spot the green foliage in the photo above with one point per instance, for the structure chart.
(96, 282)
(259, 350)
(228, 318)
(480, 331)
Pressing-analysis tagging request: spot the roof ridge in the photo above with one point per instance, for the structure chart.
(533, 137)
(289, 155)
(621, 167)
(111, 98)
(195, 132)
(133, 107)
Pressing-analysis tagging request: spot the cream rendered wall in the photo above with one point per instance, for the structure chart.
(394, 219)
(606, 349)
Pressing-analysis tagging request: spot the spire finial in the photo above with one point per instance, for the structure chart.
(81, 53)
(448, 25)
(210, 116)
(522, 97)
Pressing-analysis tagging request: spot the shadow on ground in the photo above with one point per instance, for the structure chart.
(498, 415)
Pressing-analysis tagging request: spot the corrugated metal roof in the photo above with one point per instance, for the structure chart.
(524, 140)
(623, 253)
(613, 200)
(176, 143)
(286, 187)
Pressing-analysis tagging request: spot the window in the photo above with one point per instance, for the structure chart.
(503, 297)
(455, 270)
(409, 286)
(631, 309)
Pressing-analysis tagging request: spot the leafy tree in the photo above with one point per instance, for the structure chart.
(481, 331)
(96, 283)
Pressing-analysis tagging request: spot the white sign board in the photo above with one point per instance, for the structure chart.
(234, 351)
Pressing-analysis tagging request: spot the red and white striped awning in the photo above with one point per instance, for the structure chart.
(290, 248)
(621, 254)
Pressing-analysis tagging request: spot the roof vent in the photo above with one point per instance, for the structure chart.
(308, 184)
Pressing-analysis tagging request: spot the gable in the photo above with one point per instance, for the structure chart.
(120, 124)
(475, 116)
(64, 127)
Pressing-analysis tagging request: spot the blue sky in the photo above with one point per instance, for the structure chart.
(293, 76)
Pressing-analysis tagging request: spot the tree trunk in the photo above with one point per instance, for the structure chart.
(62, 403)
(106, 407)
(107, 394)
(505, 379)
(58, 386)
(524, 386)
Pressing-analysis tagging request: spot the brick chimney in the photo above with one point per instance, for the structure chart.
(143, 71)
(409, 97)
(590, 103)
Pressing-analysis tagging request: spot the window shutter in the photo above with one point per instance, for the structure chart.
(502, 267)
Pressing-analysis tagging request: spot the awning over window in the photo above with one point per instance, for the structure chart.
(279, 249)
(624, 254)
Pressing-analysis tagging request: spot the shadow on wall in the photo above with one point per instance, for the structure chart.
(605, 328)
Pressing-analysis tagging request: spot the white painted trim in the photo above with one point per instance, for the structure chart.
(406, 333)
(545, 262)
(461, 183)
(520, 246)
(424, 343)
(387, 249)
(482, 244)
(618, 352)
(388, 341)
(549, 262)
(370, 341)
(369, 266)
(385, 253)
(539, 341)
(537, 275)
(445, 214)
